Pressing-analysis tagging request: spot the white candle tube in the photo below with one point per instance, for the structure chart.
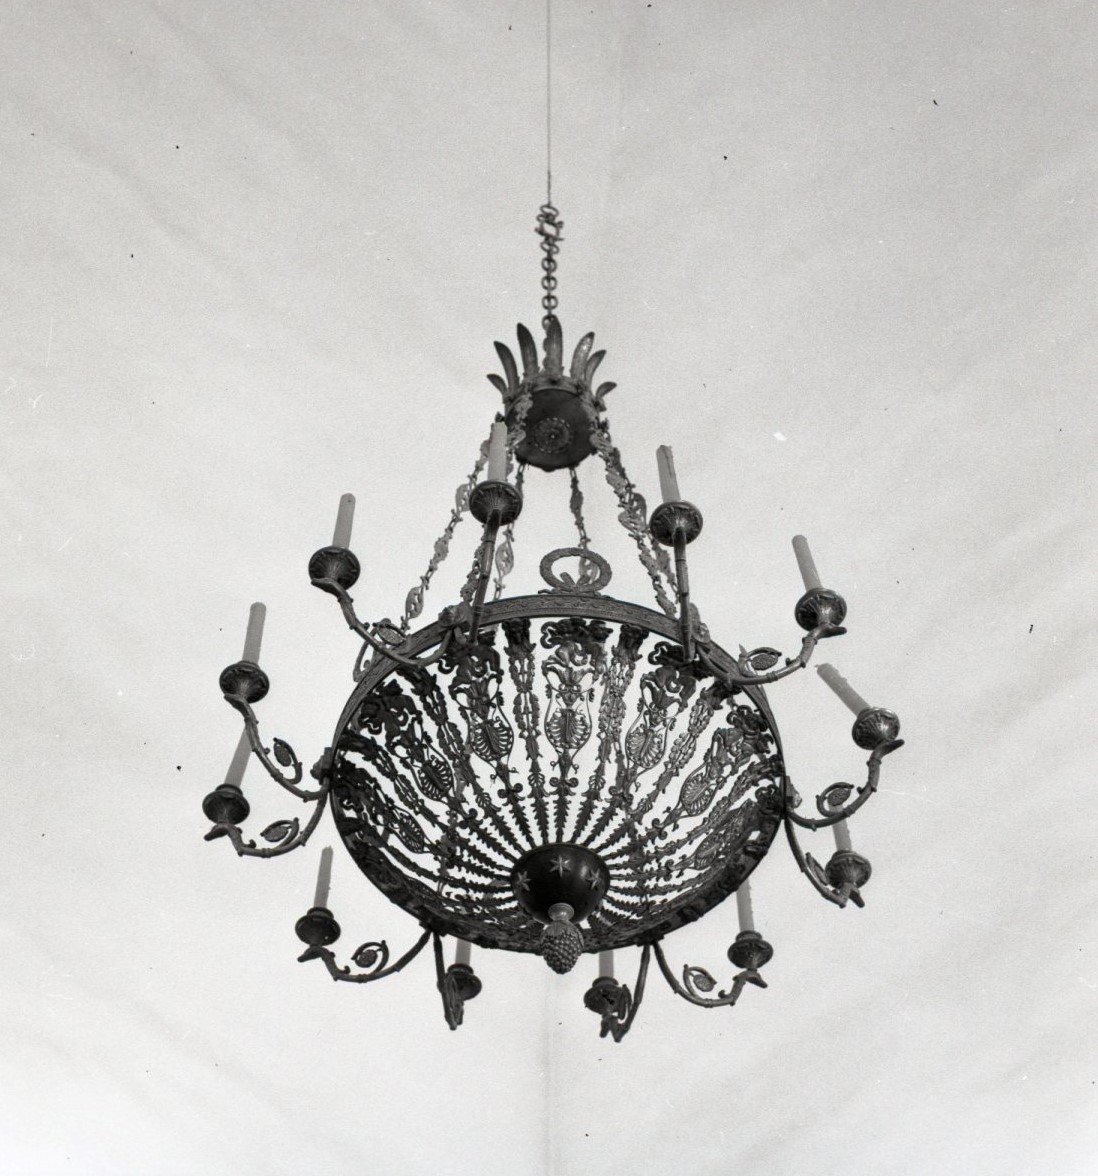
(323, 878)
(497, 453)
(256, 616)
(669, 483)
(806, 563)
(606, 964)
(743, 906)
(240, 760)
(462, 951)
(842, 836)
(842, 688)
(341, 537)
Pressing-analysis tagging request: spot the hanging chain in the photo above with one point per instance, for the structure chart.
(505, 553)
(634, 515)
(549, 229)
(576, 503)
(413, 604)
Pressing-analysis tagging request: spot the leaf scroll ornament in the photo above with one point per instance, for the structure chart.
(371, 957)
(758, 661)
(281, 831)
(697, 980)
(283, 752)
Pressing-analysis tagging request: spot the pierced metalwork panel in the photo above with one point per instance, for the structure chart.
(573, 721)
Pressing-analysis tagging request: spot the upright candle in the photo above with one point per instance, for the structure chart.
(239, 760)
(806, 563)
(743, 906)
(462, 952)
(606, 964)
(341, 537)
(497, 453)
(323, 878)
(669, 483)
(842, 837)
(842, 688)
(254, 639)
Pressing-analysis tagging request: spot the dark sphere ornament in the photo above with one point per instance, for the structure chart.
(317, 927)
(819, 606)
(226, 805)
(245, 679)
(874, 727)
(560, 873)
(335, 563)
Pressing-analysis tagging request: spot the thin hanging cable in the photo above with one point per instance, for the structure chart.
(548, 101)
(549, 222)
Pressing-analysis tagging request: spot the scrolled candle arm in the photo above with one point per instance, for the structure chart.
(372, 958)
(614, 1003)
(831, 801)
(456, 984)
(288, 835)
(749, 953)
(372, 635)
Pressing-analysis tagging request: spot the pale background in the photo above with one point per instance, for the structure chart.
(842, 258)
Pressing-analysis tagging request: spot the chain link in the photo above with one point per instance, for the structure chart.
(549, 229)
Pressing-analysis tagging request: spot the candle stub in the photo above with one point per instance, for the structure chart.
(669, 483)
(497, 453)
(842, 688)
(806, 563)
(606, 965)
(240, 760)
(254, 639)
(743, 906)
(341, 537)
(462, 951)
(323, 878)
(842, 836)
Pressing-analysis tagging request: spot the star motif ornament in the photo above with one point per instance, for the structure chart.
(561, 865)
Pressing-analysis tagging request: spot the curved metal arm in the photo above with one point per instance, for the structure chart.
(830, 801)
(372, 957)
(346, 604)
(615, 1003)
(288, 835)
(696, 981)
(764, 657)
(284, 753)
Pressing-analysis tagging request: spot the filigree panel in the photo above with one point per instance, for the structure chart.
(573, 720)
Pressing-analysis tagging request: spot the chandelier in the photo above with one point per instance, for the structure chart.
(561, 773)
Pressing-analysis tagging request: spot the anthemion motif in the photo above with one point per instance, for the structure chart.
(562, 773)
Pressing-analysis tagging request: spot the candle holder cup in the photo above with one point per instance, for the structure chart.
(495, 501)
(226, 805)
(874, 727)
(750, 951)
(334, 563)
(848, 872)
(819, 606)
(671, 519)
(317, 927)
(245, 680)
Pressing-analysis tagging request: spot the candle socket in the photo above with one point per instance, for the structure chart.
(875, 727)
(819, 606)
(465, 981)
(495, 500)
(226, 805)
(317, 927)
(848, 872)
(750, 951)
(245, 679)
(671, 519)
(334, 563)
(605, 997)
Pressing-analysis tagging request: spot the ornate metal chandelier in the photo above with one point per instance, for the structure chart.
(559, 773)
